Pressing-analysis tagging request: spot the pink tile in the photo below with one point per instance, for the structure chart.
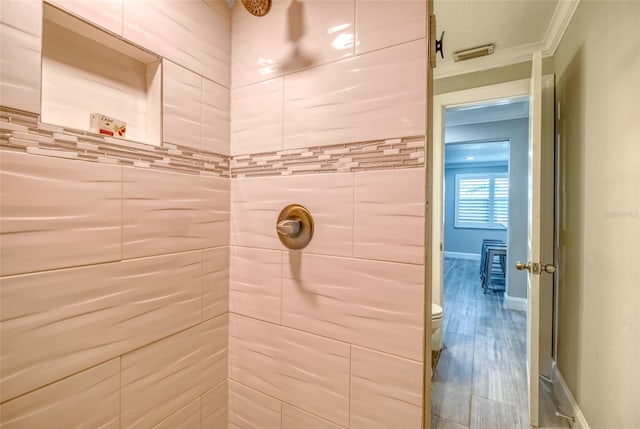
(346, 101)
(20, 54)
(215, 117)
(386, 391)
(389, 215)
(187, 417)
(182, 106)
(57, 213)
(250, 409)
(105, 14)
(256, 112)
(193, 35)
(368, 303)
(384, 23)
(255, 288)
(83, 316)
(257, 202)
(215, 282)
(305, 370)
(89, 399)
(214, 407)
(295, 418)
(161, 378)
(290, 37)
(171, 212)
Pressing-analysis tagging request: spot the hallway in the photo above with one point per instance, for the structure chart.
(480, 381)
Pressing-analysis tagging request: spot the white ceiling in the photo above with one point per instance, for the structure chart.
(476, 152)
(516, 27)
(502, 110)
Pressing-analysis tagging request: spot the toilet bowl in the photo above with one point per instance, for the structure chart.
(436, 327)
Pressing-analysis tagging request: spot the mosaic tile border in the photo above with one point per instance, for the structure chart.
(22, 131)
(406, 152)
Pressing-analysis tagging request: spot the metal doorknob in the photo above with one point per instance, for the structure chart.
(522, 266)
(548, 268)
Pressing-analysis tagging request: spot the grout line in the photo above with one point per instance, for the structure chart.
(120, 411)
(350, 380)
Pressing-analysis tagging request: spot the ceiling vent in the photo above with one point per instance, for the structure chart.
(478, 51)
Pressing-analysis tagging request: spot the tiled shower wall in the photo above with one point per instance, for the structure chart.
(115, 257)
(328, 110)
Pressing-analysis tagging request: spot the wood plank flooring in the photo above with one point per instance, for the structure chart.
(480, 381)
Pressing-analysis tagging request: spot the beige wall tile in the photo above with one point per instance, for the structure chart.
(345, 102)
(215, 282)
(255, 289)
(187, 417)
(171, 212)
(256, 113)
(386, 391)
(193, 35)
(256, 204)
(368, 303)
(383, 23)
(305, 370)
(82, 316)
(20, 54)
(215, 407)
(161, 378)
(182, 105)
(295, 418)
(216, 120)
(89, 399)
(389, 215)
(250, 409)
(310, 33)
(105, 14)
(57, 213)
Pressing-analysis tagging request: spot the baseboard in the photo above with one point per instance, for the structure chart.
(515, 303)
(566, 402)
(461, 255)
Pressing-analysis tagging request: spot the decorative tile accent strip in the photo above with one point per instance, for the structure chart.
(406, 152)
(22, 131)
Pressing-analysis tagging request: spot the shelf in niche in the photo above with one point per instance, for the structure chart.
(87, 70)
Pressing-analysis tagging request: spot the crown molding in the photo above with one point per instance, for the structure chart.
(518, 54)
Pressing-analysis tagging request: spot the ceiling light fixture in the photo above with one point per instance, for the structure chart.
(478, 51)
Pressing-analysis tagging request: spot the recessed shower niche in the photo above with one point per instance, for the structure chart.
(86, 70)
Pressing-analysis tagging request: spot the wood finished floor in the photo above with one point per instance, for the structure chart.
(480, 381)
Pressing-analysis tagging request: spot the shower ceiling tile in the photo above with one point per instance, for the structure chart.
(305, 370)
(250, 409)
(292, 36)
(88, 399)
(215, 117)
(385, 23)
(192, 35)
(386, 391)
(369, 303)
(56, 213)
(389, 215)
(80, 317)
(255, 289)
(159, 379)
(256, 112)
(171, 212)
(106, 14)
(295, 418)
(20, 54)
(256, 203)
(188, 417)
(373, 96)
(215, 282)
(182, 106)
(214, 407)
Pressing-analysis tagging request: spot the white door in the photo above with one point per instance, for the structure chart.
(538, 234)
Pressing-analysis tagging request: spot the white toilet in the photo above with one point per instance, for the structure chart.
(436, 327)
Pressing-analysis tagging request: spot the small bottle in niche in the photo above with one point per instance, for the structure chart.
(107, 125)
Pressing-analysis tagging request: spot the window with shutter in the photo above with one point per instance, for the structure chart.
(482, 200)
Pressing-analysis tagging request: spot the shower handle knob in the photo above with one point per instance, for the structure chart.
(289, 227)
